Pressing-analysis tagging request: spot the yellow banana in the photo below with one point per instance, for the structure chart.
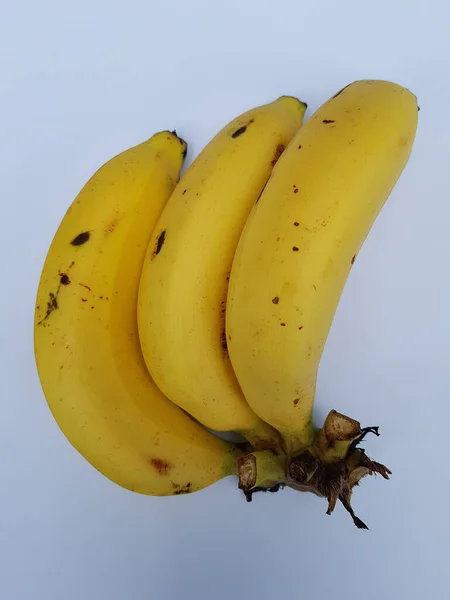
(86, 339)
(301, 240)
(184, 282)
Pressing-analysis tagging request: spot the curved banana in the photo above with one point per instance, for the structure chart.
(301, 240)
(184, 282)
(86, 339)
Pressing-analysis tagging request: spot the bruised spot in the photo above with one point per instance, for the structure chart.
(295, 248)
(52, 304)
(187, 489)
(81, 238)
(183, 192)
(83, 299)
(300, 328)
(161, 465)
(64, 279)
(110, 228)
(327, 121)
(296, 401)
(239, 131)
(300, 147)
(275, 300)
(283, 324)
(296, 223)
(223, 341)
(353, 259)
(295, 190)
(85, 286)
(184, 153)
(160, 242)
(278, 152)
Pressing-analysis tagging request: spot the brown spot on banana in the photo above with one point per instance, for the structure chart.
(81, 238)
(159, 243)
(161, 466)
(278, 152)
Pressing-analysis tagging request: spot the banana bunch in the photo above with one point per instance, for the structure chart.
(171, 307)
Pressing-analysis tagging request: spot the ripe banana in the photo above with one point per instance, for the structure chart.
(183, 288)
(86, 339)
(300, 242)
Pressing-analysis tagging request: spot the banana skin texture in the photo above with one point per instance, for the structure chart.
(300, 242)
(183, 289)
(86, 338)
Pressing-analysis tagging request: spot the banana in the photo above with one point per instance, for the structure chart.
(86, 338)
(300, 242)
(184, 282)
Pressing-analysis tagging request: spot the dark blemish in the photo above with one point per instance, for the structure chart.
(92, 307)
(300, 328)
(295, 190)
(183, 192)
(296, 223)
(229, 337)
(162, 466)
(278, 152)
(52, 305)
(353, 258)
(223, 341)
(228, 276)
(85, 286)
(418, 107)
(300, 147)
(160, 242)
(294, 248)
(112, 225)
(239, 131)
(278, 239)
(283, 324)
(83, 299)
(275, 300)
(185, 490)
(184, 153)
(326, 121)
(340, 91)
(81, 238)
(296, 401)
(64, 279)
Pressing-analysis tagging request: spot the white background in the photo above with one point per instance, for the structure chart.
(83, 81)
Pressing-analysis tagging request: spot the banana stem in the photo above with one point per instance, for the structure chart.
(232, 457)
(263, 470)
(263, 437)
(338, 436)
(295, 442)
